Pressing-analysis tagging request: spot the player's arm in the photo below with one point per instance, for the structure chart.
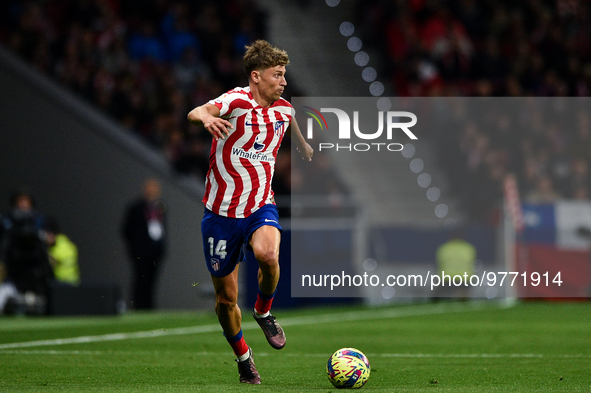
(303, 147)
(209, 116)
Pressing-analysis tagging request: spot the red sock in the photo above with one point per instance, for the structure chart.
(263, 303)
(238, 344)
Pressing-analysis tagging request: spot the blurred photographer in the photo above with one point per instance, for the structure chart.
(24, 253)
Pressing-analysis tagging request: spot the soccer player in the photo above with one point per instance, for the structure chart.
(247, 125)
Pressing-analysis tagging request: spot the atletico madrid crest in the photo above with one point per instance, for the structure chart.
(215, 264)
(279, 128)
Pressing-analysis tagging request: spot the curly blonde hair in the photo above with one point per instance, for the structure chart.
(262, 55)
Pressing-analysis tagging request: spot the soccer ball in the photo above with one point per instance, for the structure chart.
(348, 368)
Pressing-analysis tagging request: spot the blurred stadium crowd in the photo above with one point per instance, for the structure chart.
(472, 48)
(481, 47)
(147, 63)
(544, 142)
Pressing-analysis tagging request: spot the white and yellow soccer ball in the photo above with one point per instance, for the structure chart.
(348, 368)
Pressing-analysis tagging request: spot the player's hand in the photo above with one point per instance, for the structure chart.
(217, 127)
(306, 151)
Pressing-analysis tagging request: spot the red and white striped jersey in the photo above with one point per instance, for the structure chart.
(241, 166)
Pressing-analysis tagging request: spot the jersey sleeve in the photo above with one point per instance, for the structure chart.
(223, 103)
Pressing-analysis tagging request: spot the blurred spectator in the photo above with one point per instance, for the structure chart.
(579, 180)
(63, 254)
(23, 250)
(543, 193)
(144, 232)
(456, 257)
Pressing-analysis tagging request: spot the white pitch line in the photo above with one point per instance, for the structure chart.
(114, 337)
(294, 321)
(317, 355)
(453, 355)
(49, 352)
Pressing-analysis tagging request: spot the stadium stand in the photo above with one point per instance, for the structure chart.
(147, 63)
(144, 63)
(538, 48)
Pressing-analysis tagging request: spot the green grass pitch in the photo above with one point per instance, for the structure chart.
(443, 347)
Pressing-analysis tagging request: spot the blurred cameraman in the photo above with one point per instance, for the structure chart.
(24, 253)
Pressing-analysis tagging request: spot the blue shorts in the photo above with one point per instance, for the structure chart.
(225, 239)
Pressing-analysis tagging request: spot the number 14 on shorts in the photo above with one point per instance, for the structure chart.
(219, 249)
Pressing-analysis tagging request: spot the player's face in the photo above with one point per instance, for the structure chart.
(272, 83)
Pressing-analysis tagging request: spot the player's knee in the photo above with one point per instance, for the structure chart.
(267, 257)
(225, 302)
